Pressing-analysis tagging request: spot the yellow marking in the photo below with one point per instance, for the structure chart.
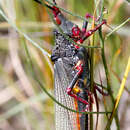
(76, 90)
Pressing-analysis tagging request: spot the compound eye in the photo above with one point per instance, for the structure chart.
(76, 31)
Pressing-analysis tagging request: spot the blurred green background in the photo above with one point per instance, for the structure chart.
(23, 105)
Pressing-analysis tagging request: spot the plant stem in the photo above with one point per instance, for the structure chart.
(107, 75)
(119, 94)
(91, 80)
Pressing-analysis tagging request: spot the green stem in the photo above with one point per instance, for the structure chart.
(91, 80)
(107, 77)
(117, 28)
(106, 68)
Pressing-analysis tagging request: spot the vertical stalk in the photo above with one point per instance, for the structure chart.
(91, 79)
(91, 73)
(106, 68)
(101, 14)
(107, 75)
(92, 64)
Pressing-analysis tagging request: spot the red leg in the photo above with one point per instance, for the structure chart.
(85, 23)
(70, 92)
(90, 32)
(55, 12)
(79, 68)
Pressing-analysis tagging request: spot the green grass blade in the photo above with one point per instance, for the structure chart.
(117, 28)
(119, 94)
(25, 35)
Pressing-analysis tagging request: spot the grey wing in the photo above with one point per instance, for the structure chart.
(65, 119)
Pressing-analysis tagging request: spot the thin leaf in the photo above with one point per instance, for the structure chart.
(102, 40)
(117, 28)
(119, 94)
(25, 35)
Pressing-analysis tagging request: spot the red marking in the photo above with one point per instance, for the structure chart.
(76, 31)
(76, 46)
(79, 68)
(58, 21)
(69, 90)
(87, 34)
(81, 41)
(104, 21)
(55, 11)
(83, 30)
(90, 16)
